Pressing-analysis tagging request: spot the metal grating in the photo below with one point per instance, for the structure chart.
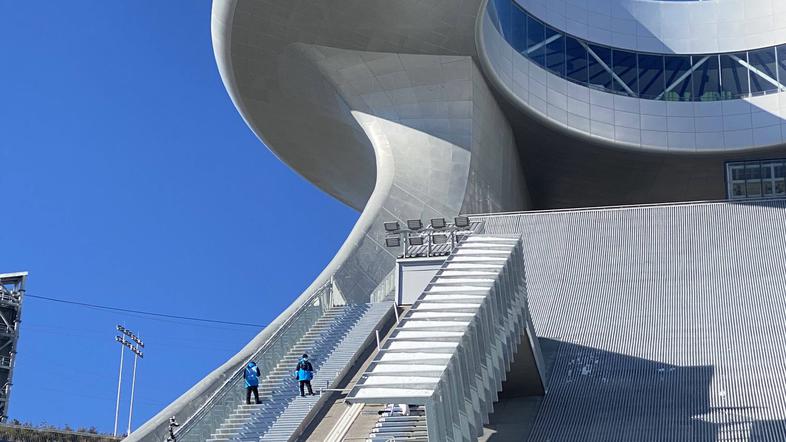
(660, 323)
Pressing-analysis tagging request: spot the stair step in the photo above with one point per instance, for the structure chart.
(336, 337)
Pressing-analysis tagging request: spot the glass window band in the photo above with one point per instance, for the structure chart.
(706, 77)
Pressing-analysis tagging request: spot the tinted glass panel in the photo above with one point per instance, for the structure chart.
(678, 81)
(706, 78)
(782, 63)
(575, 60)
(495, 7)
(598, 75)
(626, 70)
(555, 52)
(651, 83)
(518, 29)
(535, 36)
(651, 76)
(764, 61)
(734, 76)
(752, 171)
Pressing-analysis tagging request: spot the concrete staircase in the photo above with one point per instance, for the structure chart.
(393, 426)
(332, 344)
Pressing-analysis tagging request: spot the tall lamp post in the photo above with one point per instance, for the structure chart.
(119, 380)
(135, 349)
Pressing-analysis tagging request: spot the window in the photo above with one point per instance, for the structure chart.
(735, 174)
(599, 75)
(627, 71)
(772, 177)
(518, 29)
(763, 76)
(781, 52)
(678, 81)
(710, 77)
(756, 179)
(734, 76)
(575, 60)
(650, 76)
(706, 79)
(501, 17)
(535, 37)
(555, 51)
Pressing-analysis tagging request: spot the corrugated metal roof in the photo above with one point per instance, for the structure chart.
(662, 323)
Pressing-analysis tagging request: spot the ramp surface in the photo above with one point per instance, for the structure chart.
(659, 323)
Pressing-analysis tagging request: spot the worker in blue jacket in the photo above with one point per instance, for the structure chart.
(251, 375)
(304, 372)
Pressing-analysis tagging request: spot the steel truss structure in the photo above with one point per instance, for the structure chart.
(12, 290)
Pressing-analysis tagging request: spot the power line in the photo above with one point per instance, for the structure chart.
(140, 312)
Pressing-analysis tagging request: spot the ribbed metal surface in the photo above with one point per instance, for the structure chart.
(660, 323)
(451, 350)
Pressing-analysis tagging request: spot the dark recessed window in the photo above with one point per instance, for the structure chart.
(706, 78)
(599, 75)
(651, 81)
(536, 50)
(781, 50)
(575, 60)
(518, 30)
(763, 76)
(734, 76)
(626, 70)
(501, 17)
(555, 51)
(678, 79)
(756, 179)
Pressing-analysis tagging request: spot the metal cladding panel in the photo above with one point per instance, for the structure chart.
(661, 323)
(456, 368)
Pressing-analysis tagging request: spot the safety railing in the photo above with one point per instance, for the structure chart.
(217, 408)
(386, 289)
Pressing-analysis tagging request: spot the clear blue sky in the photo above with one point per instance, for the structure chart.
(129, 179)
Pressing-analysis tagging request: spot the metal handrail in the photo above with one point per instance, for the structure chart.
(225, 387)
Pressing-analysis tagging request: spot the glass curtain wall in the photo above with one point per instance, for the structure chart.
(708, 77)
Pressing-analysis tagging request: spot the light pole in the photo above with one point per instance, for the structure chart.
(135, 349)
(119, 379)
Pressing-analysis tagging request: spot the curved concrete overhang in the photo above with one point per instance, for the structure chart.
(573, 160)
(380, 104)
(619, 121)
(280, 96)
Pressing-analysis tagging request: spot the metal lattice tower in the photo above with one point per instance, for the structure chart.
(12, 289)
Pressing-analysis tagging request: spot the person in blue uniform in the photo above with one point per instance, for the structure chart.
(304, 372)
(251, 375)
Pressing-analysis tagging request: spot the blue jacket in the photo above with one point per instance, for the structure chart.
(251, 374)
(304, 371)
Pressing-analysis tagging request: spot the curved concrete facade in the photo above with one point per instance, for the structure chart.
(418, 109)
(694, 126)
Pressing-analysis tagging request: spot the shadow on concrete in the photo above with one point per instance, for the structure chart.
(595, 395)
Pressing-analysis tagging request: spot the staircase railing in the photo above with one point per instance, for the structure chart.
(217, 408)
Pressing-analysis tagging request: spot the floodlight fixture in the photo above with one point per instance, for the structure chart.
(438, 223)
(462, 222)
(416, 240)
(414, 224)
(392, 226)
(439, 238)
(392, 241)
